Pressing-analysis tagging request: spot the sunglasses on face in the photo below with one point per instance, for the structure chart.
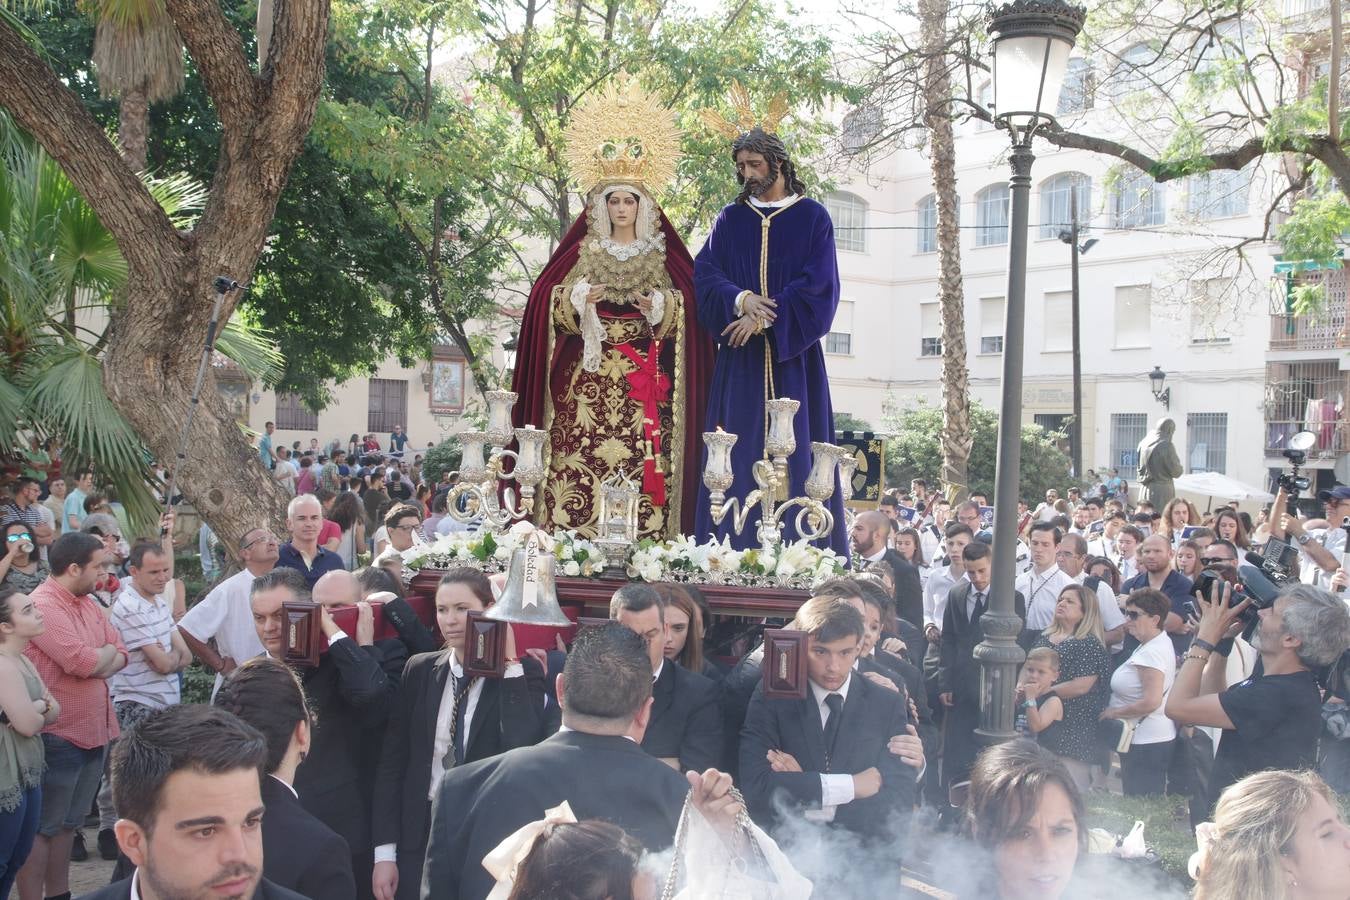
(21, 536)
(1132, 614)
(1216, 561)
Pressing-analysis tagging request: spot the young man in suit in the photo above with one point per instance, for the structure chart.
(442, 719)
(186, 780)
(595, 763)
(350, 696)
(685, 731)
(871, 542)
(739, 686)
(826, 758)
(958, 672)
(299, 852)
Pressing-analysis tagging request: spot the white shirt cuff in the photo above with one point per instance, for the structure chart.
(515, 670)
(739, 299)
(386, 853)
(337, 636)
(836, 790)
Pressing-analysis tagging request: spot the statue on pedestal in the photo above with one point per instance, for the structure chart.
(1159, 464)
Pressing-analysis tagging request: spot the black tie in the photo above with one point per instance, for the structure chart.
(455, 755)
(835, 702)
(979, 606)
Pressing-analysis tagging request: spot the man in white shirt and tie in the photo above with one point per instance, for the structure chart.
(942, 580)
(1071, 556)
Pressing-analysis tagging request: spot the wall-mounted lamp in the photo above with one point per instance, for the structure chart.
(1162, 394)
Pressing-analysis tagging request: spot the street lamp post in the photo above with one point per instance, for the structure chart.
(1076, 250)
(1032, 40)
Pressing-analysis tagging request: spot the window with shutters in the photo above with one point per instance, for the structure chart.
(930, 329)
(1127, 430)
(388, 404)
(848, 212)
(1057, 327)
(991, 324)
(840, 337)
(1132, 316)
(1206, 442)
(292, 415)
(991, 216)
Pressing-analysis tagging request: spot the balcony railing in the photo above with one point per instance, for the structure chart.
(1325, 329)
(1307, 396)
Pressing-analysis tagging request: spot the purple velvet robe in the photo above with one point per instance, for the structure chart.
(804, 280)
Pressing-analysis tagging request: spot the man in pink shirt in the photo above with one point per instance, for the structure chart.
(78, 650)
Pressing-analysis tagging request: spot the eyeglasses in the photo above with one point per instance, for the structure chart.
(1216, 561)
(263, 539)
(1132, 614)
(1066, 554)
(21, 536)
(403, 527)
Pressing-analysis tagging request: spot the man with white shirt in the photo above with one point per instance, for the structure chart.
(825, 759)
(1071, 556)
(1127, 545)
(1041, 586)
(933, 531)
(156, 653)
(350, 696)
(223, 616)
(942, 580)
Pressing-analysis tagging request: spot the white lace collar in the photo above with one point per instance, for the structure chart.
(624, 252)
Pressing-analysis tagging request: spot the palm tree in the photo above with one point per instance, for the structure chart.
(138, 58)
(61, 275)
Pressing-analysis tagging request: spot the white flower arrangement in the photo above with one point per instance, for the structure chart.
(799, 565)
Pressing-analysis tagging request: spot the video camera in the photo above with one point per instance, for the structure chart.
(1274, 565)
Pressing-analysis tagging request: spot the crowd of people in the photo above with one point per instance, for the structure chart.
(1160, 658)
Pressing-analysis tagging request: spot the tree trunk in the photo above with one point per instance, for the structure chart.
(957, 438)
(155, 345)
(133, 126)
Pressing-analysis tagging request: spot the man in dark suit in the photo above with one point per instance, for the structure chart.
(686, 724)
(186, 781)
(350, 696)
(595, 764)
(871, 542)
(825, 758)
(739, 685)
(958, 672)
(508, 712)
(299, 852)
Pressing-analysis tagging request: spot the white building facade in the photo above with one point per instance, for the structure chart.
(1154, 292)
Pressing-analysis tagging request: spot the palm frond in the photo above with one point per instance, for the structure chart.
(11, 413)
(180, 195)
(64, 392)
(253, 348)
(137, 47)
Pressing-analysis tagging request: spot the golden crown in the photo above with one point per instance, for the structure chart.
(744, 118)
(623, 134)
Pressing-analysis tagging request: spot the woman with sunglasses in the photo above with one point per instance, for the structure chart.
(20, 568)
(1139, 692)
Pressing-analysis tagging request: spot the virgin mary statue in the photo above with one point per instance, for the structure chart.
(611, 358)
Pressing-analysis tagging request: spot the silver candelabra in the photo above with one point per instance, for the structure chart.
(813, 519)
(481, 480)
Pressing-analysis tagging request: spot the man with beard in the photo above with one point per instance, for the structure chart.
(187, 780)
(767, 285)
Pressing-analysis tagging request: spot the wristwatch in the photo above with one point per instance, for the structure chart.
(1303, 538)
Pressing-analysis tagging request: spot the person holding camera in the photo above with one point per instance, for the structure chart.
(1321, 553)
(1271, 720)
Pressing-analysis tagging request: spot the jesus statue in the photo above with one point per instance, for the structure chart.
(767, 285)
